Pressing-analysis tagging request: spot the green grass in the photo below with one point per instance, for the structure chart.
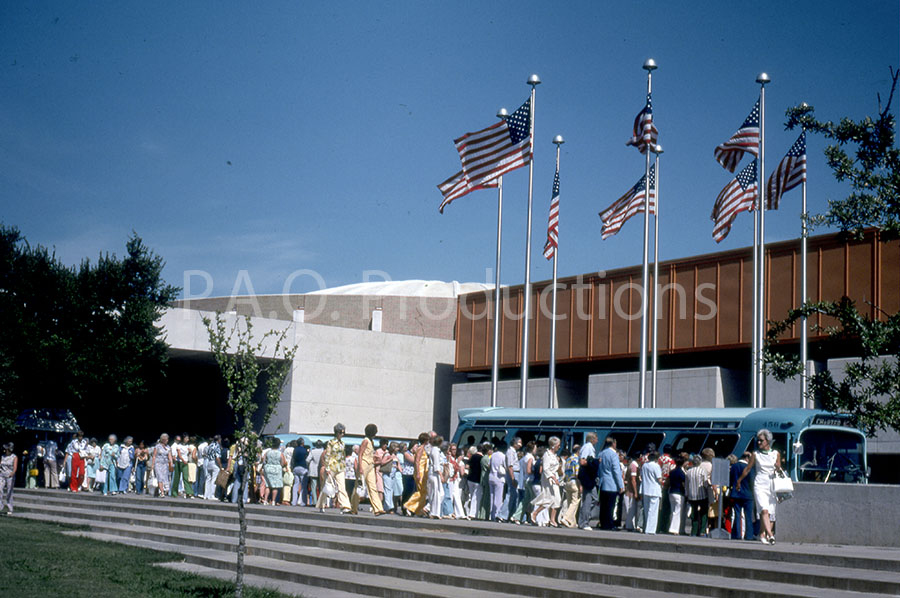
(37, 560)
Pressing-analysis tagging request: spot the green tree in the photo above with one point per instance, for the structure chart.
(244, 368)
(83, 338)
(864, 153)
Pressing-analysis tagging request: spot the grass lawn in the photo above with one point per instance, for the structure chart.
(36, 560)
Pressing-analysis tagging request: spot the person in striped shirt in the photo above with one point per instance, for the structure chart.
(697, 490)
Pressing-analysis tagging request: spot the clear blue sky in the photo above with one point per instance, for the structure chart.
(275, 136)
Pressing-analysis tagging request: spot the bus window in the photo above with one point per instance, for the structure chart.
(691, 442)
(634, 443)
(541, 438)
(577, 438)
(470, 437)
(832, 455)
(722, 444)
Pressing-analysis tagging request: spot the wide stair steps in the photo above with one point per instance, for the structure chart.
(303, 552)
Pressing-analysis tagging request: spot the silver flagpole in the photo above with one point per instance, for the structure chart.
(534, 81)
(551, 400)
(654, 349)
(495, 364)
(762, 79)
(649, 66)
(804, 332)
(754, 381)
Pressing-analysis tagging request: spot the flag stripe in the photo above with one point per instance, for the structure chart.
(457, 186)
(643, 132)
(745, 140)
(738, 196)
(615, 216)
(791, 171)
(497, 149)
(552, 243)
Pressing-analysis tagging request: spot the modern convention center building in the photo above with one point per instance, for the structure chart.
(408, 355)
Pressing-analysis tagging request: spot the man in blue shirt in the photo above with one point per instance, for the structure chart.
(611, 484)
(741, 499)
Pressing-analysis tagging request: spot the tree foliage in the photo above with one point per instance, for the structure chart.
(870, 389)
(83, 338)
(864, 155)
(243, 368)
(870, 168)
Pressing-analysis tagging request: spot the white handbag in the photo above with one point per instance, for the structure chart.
(782, 484)
(100, 478)
(330, 487)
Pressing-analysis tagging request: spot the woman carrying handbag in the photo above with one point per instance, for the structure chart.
(766, 462)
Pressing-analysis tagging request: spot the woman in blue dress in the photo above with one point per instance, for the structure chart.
(108, 455)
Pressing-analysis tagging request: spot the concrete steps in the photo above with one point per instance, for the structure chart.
(394, 556)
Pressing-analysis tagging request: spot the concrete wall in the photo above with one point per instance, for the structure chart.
(352, 376)
(787, 393)
(434, 317)
(883, 442)
(689, 387)
(854, 514)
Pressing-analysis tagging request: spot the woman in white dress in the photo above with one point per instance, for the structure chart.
(766, 461)
(435, 477)
(549, 496)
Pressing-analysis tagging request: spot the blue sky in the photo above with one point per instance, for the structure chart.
(277, 136)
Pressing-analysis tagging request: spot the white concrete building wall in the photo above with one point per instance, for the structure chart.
(884, 442)
(689, 387)
(352, 376)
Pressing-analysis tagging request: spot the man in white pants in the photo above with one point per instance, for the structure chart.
(213, 463)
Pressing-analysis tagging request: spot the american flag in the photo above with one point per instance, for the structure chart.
(746, 139)
(643, 132)
(498, 149)
(552, 243)
(738, 196)
(628, 205)
(791, 172)
(457, 186)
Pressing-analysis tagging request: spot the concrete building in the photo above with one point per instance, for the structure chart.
(369, 353)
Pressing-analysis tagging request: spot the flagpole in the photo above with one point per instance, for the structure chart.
(495, 364)
(551, 399)
(534, 81)
(804, 331)
(762, 79)
(654, 349)
(649, 66)
(754, 381)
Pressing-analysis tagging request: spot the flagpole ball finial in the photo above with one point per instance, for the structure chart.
(534, 80)
(502, 113)
(763, 78)
(657, 149)
(558, 140)
(650, 65)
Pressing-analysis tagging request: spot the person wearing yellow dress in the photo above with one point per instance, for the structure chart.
(418, 501)
(365, 473)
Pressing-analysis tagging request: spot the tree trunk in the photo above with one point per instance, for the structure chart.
(242, 538)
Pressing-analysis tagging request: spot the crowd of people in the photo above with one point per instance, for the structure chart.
(519, 483)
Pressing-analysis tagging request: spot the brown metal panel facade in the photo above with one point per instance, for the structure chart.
(705, 303)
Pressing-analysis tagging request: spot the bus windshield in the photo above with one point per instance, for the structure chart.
(831, 456)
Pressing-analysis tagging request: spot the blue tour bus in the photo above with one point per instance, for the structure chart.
(818, 445)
